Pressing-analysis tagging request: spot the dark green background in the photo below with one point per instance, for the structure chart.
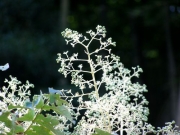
(146, 32)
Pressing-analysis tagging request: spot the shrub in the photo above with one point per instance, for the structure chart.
(122, 109)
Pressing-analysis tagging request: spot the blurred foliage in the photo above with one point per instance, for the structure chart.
(30, 40)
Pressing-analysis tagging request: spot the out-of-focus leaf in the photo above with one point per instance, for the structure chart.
(48, 122)
(4, 118)
(28, 116)
(29, 105)
(37, 99)
(40, 104)
(55, 98)
(10, 124)
(14, 107)
(46, 107)
(18, 129)
(100, 132)
(39, 130)
(53, 91)
(62, 110)
(52, 98)
(5, 67)
(60, 101)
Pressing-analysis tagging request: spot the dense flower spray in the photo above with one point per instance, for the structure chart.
(121, 110)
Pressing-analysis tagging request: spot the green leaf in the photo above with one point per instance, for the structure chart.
(100, 132)
(52, 98)
(14, 107)
(62, 110)
(55, 98)
(38, 130)
(10, 124)
(18, 129)
(40, 104)
(53, 91)
(28, 116)
(15, 127)
(48, 122)
(29, 105)
(47, 107)
(4, 118)
(37, 99)
(60, 101)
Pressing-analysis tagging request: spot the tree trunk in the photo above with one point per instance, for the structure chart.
(63, 22)
(170, 66)
(63, 19)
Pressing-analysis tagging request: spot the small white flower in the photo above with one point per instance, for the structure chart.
(80, 66)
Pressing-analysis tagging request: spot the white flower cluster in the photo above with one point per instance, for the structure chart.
(14, 94)
(15, 102)
(123, 108)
